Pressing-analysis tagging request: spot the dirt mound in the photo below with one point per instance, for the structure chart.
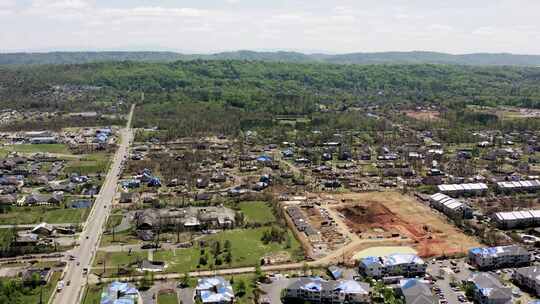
(377, 215)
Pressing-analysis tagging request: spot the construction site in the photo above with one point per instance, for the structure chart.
(399, 219)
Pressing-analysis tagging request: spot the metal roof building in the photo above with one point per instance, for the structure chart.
(450, 206)
(474, 188)
(527, 185)
(524, 218)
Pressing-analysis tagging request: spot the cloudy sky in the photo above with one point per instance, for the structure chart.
(338, 26)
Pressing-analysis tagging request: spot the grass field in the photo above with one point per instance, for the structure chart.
(167, 298)
(92, 294)
(124, 237)
(90, 164)
(38, 214)
(247, 249)
(30, 148)
(257, 212)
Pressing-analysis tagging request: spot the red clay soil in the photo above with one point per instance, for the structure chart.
(361, 218)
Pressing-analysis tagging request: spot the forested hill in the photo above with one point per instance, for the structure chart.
(353, 58)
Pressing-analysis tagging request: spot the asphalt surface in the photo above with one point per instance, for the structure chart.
(434, 268)
(89, 238)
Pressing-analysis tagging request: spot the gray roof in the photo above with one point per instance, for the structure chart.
(416, 292)
(317, 284)
(490, 286)
(532, 272)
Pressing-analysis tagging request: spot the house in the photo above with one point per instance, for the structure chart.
(407, 265)
(43, 229)
(416, 291)
(189, 218)
(37, 199)
(43, 140)
(214, 290)
(120, 292)
(528, 278)
(25, 239)
(317, 290)
(499, 257)
(128, 197)
(487, 289)
(453, 208)
(8, 199)
(43, 274)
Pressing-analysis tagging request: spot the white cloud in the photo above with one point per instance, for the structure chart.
(7, 3)
(156, 12)
(336, 26)
(484, 31)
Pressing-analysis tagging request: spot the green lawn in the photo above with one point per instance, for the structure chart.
(90, 164)
(118, 258)
(48, 214)
(124, 237)
(92, 294)
(32, 148)
(249, 281)
(179, 260)
(257, 212)
(247, 249)
(167, 298)
(5, 237)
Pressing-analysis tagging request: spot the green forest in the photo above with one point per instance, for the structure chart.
(225, 96)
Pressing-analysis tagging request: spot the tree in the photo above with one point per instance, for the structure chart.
(259, 274)
(241, 288)
(228, 258)
(185, 279)
(305, 268)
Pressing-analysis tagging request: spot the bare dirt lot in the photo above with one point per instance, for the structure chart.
(387, 214)
(423, 115)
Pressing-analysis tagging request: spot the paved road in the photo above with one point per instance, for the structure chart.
(90, 236)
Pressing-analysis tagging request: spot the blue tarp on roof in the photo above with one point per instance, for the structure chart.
(370, 260)
(119, 293)
(264, 159)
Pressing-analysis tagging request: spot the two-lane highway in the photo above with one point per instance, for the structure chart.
(91, 234)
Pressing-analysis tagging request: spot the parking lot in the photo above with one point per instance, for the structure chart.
(448, 275)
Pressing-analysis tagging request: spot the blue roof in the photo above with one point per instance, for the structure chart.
(119, 293)
(264, 158)
(370, 260)
(215, 289)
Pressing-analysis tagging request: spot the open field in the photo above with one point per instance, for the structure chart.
(247, 249)
(35, 148)
(257, 212)
(167, 298)
(38, 214)
(92, 294)
(89, 164)
(383, 214)
(424, 115)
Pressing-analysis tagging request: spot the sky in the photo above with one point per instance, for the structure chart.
(208, 26)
